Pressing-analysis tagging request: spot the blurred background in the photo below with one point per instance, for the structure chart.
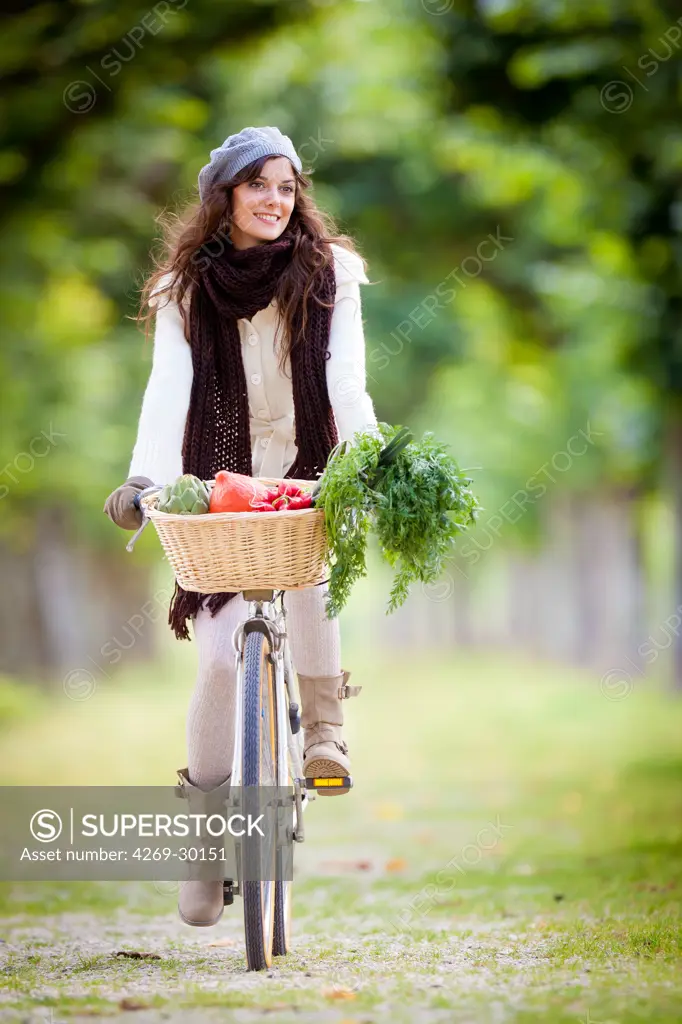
(510, 170)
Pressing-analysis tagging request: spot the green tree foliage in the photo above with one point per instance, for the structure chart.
(509, 167)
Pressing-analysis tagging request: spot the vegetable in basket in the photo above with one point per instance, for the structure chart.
(187, 496)
(286, 497)
(410, 494)
(234, 492)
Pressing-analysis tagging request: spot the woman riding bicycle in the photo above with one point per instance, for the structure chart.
(227, 390)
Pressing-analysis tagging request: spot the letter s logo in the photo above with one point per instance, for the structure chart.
(46, 826)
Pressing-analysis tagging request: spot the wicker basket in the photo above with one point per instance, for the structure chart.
(234, 551)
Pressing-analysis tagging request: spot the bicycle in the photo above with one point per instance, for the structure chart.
(268, 751)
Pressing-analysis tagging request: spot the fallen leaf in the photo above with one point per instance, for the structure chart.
(222, 942)
(338, 993)
(396, 864)
(127, 1003)
(138, 956)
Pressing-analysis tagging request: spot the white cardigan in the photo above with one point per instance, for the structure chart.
(158, 449)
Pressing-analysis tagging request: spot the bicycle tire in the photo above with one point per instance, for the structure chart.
(281, 940)
(259, 769)
(284, 888)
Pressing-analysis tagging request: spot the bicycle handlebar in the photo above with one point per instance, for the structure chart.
(146, 490)
(140, 507)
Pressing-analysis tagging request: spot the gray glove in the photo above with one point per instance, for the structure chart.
(119, 505)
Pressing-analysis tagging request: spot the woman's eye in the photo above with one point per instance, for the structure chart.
(287, 187)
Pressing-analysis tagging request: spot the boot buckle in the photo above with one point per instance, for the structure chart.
(345, 690)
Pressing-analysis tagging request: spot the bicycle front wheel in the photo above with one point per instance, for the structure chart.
(259, 769)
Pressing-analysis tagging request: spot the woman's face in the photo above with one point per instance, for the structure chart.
(272, 193)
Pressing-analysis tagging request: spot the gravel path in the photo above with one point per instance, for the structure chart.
(70, 960)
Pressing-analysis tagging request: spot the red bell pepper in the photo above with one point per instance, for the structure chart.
(234, 492)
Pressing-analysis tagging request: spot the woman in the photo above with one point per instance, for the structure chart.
(229, 390)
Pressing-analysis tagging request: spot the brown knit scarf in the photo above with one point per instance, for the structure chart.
(236, 284)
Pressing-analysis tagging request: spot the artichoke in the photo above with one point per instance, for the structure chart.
(188, 496)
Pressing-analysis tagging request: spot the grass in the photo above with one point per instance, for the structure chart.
(511, 852)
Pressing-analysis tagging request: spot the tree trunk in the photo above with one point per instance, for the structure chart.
(673, 469)
(610, 583)
(68, 612)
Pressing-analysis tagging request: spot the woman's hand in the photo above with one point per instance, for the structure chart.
(119, 505)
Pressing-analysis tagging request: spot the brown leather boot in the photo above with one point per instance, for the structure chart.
(325, 752)
(201, 903)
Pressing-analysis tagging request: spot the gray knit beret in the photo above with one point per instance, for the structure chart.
(239, 150)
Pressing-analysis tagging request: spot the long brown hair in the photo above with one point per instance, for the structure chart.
(200, 232)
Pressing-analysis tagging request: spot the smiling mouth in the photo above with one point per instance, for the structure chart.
(267, 218)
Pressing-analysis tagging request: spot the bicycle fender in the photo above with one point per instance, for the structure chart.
(260, 626)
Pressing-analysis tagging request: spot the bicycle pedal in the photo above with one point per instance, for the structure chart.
(228, 892)
(333, 782)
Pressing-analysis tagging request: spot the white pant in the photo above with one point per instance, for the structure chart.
(315, 643)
